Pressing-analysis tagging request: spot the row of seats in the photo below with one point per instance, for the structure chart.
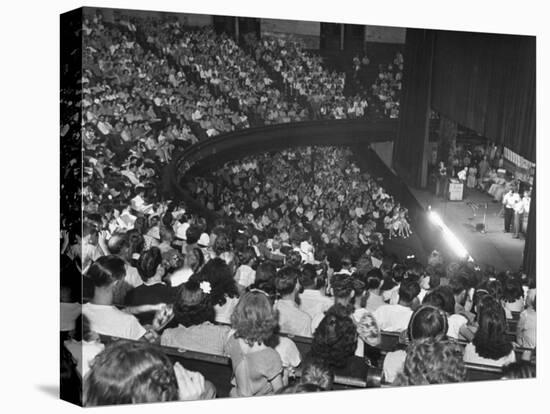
(218, 370)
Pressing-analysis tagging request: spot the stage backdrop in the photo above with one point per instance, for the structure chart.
(486, 82)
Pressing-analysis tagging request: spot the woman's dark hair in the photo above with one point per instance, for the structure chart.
(106, 270)
(83, 329)
(193, 306)
(199, 259)
(130, 373)
(254, 319)
(494, 288)
(223, 286)
(136, 242)
(246, 255)
(335, 339)
(408, 290)
(374, 279)
(431, 361)
(286, 280)
(342, 285)
(519, 369)
(308, 276)
(442, 298)
(428, 322)
(293, 259)
(148, 263)
(490, 338)
(193, 234)
(512, 289)
(265, 278)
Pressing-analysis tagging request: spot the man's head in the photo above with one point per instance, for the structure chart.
(408, 291)
(459, 286)
(118, 245)
(286, 281)
(106, 271)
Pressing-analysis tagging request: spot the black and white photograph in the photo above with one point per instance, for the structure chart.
(254, 206)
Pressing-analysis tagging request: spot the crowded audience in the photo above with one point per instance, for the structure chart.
(298, 252)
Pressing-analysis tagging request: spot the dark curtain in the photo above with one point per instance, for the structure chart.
(530, 252)
(409, 146)
(486, 82)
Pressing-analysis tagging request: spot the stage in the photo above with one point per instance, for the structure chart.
(491, 248)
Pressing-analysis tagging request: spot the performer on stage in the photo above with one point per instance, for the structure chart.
(521, 214)
(442, 181)
(509, 201)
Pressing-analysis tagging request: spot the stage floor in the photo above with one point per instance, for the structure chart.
(493, 247)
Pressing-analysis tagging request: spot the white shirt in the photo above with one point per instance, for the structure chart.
(108, 320)
(289, 353)
(393, 318)
(471, 356)
(455, 323)
(180, 276)
(393, 365)
(510, 200)
(292, 320)
(223, 312)
(132, 276)
(245, 276)
(313, 302)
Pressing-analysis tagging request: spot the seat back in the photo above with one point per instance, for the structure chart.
(215, 368)
(479, 372)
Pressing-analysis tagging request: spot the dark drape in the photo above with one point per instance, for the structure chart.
(412, 135)
(486, 82)
(530, 252)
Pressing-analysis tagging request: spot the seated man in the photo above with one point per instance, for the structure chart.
(312, 300)
(292, 320)
(395, 318)
(105, 318)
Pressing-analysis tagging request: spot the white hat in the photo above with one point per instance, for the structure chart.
(204, 240)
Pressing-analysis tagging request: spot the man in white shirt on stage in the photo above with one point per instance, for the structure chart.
(509, 201)
(521, 214)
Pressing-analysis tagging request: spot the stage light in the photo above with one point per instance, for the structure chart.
(436, 219)
(449, 236)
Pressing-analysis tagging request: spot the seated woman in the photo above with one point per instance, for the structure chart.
(426, 322)
(490, 346)
(373, 285)
(257, 368)
(224, 295)
(512, 295)
(335, 339)
(193, 327)
(432, 361)
(153, 291)
(133, 373)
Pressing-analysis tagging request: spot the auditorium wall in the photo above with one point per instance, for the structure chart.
(305, 31)
(385, 34)
(187, 19)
